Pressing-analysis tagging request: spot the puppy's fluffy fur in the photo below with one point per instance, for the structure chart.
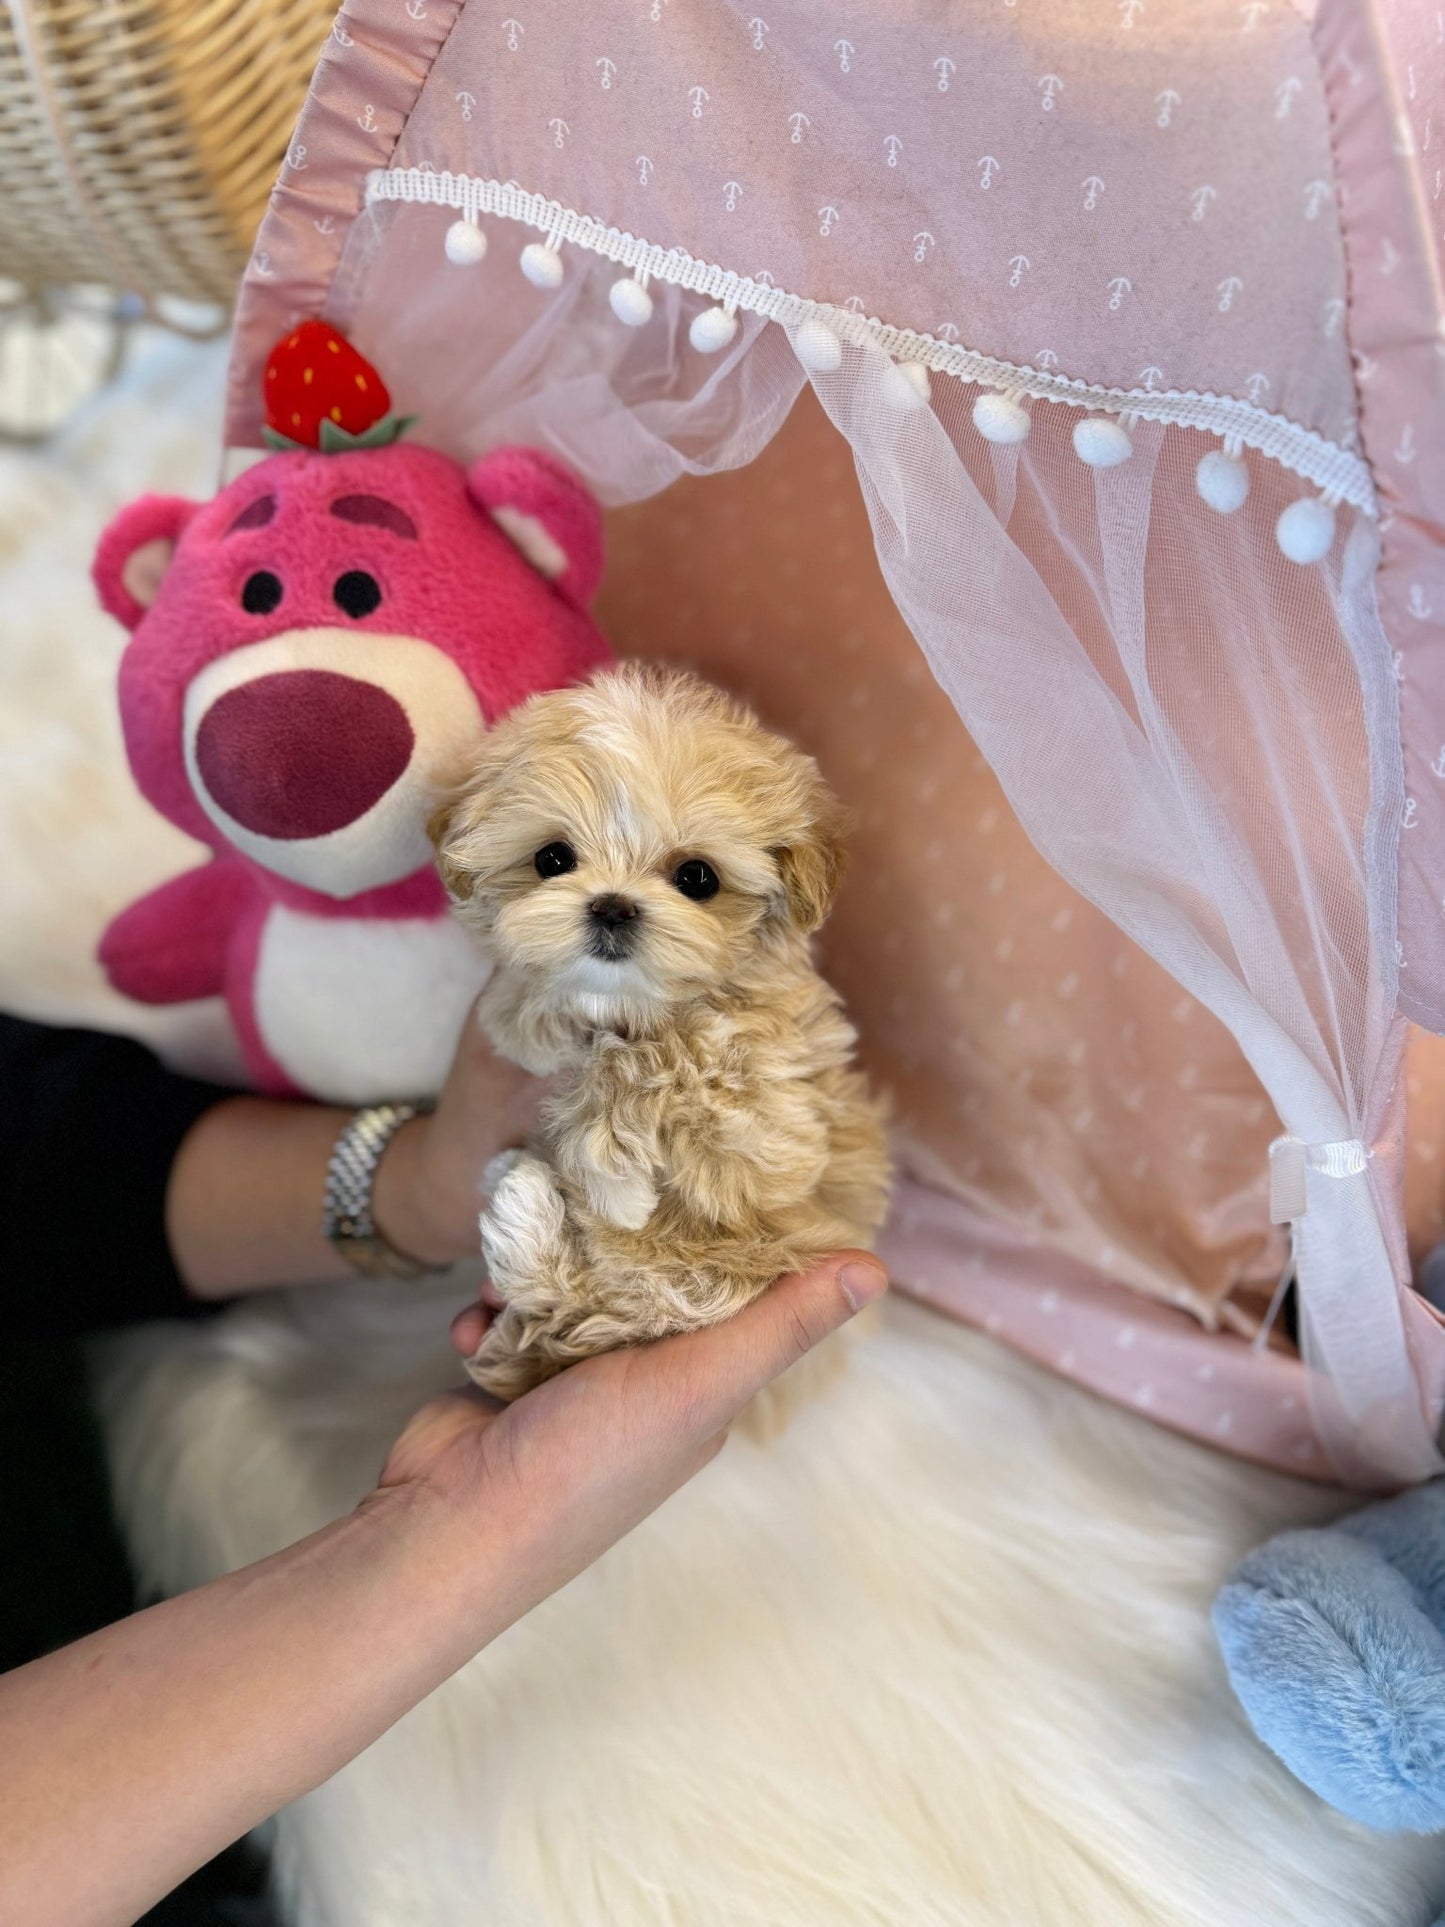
(708, 1132)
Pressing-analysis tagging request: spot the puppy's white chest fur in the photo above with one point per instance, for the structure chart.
(361, 1009)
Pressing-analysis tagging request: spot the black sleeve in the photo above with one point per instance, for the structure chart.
(89, 1128)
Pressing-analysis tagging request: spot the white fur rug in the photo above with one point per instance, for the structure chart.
(937, 1654)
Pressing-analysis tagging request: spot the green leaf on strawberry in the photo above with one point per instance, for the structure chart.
(333, 440)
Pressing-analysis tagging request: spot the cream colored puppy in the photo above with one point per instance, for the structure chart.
(645, 864)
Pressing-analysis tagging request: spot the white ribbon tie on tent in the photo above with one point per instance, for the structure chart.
(1363, 1395)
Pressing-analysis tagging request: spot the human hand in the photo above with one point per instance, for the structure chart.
(427, 1195)
(548, 1483)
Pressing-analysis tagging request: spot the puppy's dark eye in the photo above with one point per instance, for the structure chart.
(696, 879)
(554, 860)
(356, 593)
(260, 593)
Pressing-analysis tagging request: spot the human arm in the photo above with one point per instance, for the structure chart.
(129, 1192)
(89, 1130)
(159, 1739)
(243, 1205)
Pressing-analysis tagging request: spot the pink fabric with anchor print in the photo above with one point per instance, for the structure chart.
(1071, 283)
(1063, 186)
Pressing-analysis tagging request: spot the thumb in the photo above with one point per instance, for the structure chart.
(726, 1364)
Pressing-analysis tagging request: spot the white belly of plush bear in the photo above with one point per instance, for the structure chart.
(358, 1010)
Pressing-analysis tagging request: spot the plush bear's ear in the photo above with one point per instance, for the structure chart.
(547, 512)
(135, 552)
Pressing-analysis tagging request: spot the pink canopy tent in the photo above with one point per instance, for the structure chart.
(1130, 317)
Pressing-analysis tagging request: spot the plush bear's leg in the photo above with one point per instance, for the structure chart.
(1335, 1646)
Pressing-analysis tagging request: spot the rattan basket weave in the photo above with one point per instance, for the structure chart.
(139, 138)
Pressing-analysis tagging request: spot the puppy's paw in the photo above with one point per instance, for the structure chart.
(504, 1365)
(498, 1167)
(522, 1226)
(627, 1201)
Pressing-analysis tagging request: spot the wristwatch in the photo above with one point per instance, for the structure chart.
(346, 1212)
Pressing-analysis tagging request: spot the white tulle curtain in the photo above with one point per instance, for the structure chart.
(1200, 735)
(1203, 738)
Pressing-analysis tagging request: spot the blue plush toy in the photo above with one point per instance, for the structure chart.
(1335, 1643)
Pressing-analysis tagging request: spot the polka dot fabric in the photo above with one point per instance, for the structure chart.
(1029, 1047)
(1073, 1122)
(1178, 227)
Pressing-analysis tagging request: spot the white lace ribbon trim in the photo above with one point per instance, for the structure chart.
(1290, 1161)
(1335, 471)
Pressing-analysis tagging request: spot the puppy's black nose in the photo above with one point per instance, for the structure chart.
(612, 911)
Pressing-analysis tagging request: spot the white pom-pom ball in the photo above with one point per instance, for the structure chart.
(542, 265)
(906, 386)
(1222, 481)
(1306, 530)
(999, 418)
(1101, 443)
(818, 348)
(712, 330)
(465, 244)
(631, 302)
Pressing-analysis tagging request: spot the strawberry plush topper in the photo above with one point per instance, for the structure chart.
(321, 393)
(316, 654)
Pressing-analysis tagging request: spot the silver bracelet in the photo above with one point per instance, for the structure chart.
(346, 1210)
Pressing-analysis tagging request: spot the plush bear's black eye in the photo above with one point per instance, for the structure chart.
(356, 592)
(696, 879)
(555, 860)
(260, 593)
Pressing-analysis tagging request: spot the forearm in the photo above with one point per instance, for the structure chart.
(243, 1207)
(88, 1138)
(133, 1756)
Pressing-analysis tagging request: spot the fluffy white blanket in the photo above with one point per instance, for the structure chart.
(938, 1653)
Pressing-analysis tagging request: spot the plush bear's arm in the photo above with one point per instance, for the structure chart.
(170, 946)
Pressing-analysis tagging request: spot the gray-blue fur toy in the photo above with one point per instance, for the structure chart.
(1335, 1644)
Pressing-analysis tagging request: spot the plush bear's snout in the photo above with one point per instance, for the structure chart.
(303, 752)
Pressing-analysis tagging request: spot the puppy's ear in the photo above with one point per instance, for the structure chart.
(450, 827)
(811, 865)
(439, 828)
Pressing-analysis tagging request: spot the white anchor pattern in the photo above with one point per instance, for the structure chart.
(1001, 268)
(869, 111)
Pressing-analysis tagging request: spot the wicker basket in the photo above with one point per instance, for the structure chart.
(139, 138)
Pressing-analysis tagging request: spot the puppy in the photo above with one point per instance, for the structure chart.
(645, 865)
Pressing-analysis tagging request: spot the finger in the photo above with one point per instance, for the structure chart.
(726, 1364)
(468, 1329)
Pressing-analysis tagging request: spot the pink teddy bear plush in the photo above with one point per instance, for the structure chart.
(315, 654)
